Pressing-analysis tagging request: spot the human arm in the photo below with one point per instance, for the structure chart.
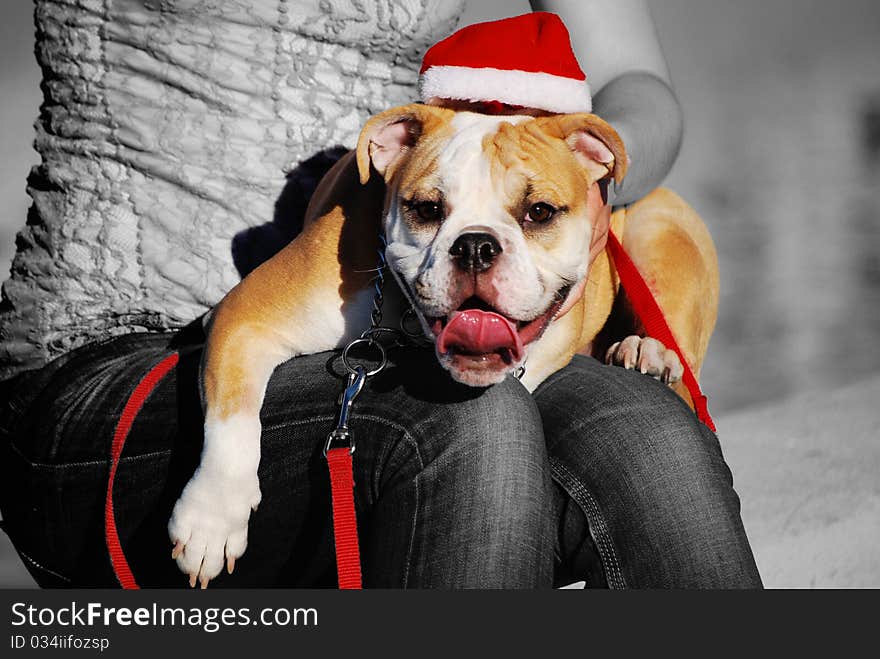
(616, 44)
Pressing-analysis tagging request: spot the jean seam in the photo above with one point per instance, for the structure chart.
(87, 463)
(42, 567)
(415, 515)
(332, 417)
(408, 438)
(596, 522)
(404, 433)
(300, 422)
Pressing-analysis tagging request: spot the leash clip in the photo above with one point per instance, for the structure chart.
(341, 433)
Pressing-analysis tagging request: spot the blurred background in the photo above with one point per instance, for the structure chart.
(782, 159)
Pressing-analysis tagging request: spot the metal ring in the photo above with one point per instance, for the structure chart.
(353, 369)
(411, 334)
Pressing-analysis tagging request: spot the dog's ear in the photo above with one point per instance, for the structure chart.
(388, 136)
(594, 142)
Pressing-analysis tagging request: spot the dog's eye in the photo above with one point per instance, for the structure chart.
(428, 211)
(540, 213)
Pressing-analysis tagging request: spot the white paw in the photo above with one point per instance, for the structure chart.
(648, 356)
(209, 524)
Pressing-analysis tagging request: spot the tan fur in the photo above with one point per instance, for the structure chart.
(673, 251)
(314, 294)
(527, 152)
(254, 328)
(567, 126)
(426, 123)
(256, 325)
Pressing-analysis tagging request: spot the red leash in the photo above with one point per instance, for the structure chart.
(348, 563)
(653, 320)
(348, 553)
(129, 413)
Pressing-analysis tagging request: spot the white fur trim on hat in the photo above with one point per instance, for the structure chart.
(533, 90)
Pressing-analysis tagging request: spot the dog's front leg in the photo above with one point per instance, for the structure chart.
(209, 523)
(304, 300)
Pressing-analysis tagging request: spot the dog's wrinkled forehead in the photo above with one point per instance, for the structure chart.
(461, 171)
(453, 158)
(484, 164)
(471, 138)
(413, 142)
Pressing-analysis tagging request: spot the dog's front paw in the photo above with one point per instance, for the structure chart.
(648, 356)
(209, 523)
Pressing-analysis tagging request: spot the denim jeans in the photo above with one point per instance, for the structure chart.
(602, 475)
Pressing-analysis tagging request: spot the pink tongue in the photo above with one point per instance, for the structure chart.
(480, 332)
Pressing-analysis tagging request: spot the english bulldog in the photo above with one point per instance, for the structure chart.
(488, 221)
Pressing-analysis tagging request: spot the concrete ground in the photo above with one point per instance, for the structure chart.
(808, 473)
(807, 470)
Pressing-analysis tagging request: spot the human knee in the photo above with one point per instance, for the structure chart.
(588, 398)
(616, 422)
(652, 473)
(500, 425)
(473, 472)
(485, 445)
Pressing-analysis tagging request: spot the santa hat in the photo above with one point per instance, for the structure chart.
(525, 61)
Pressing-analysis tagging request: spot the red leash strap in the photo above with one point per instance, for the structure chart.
(653, 320)
(348, 553)
(129, 413)
(348, 562)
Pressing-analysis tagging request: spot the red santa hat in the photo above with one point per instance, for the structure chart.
(524, 61)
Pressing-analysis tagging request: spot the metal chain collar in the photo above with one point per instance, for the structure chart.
(371, 338)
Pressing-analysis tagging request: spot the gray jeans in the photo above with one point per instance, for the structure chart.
(602, 475)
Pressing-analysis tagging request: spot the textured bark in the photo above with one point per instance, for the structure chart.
(168, 130)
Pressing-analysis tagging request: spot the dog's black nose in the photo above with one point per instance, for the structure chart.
(475, 251)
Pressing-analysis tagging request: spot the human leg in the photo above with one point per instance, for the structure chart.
(644, 492)
(463, 497)
(452, 487)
